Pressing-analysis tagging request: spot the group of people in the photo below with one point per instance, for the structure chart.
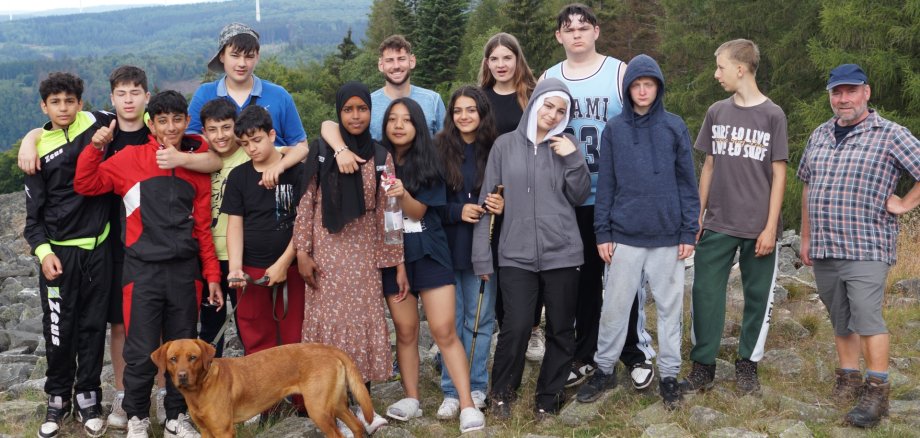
(220, 200)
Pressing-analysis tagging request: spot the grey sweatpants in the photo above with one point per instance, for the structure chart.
(665, 275)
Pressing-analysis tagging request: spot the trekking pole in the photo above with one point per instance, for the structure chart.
(482, 283)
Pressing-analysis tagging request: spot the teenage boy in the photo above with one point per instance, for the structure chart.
(129, 96)
(219, 119)
(741, 193)
(236, 58)
(259, 229)
(396, 62)
(596, 82)
(167, 238)
(645, 219)
(68, 232)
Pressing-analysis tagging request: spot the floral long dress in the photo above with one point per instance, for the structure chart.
(346, 310)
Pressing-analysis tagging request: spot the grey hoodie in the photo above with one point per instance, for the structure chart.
(542, 189)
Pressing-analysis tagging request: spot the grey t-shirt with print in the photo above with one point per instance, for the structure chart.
(744, 142)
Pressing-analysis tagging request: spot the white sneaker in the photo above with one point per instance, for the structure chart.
(91, 418)
(479, 399)
(137, 428)
(58, 411)
(181, 427)
(161, 407)
(642, 374)
(449, 409)
(376, 423)
(471, 419)
(343, 429)
(536, 347)
(118, 419)
(404, 410)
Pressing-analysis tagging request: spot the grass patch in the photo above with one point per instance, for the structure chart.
(908, 264)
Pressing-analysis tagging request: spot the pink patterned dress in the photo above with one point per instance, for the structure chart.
(346, 309)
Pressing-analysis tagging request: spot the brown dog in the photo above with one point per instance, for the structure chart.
(221, 392)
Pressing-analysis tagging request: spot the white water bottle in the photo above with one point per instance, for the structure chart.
(392, 215)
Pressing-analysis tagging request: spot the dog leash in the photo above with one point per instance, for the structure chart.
(231, 310)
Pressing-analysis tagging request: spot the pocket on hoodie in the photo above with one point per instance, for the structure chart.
(554, 235)
(518, 241)
(646, 215)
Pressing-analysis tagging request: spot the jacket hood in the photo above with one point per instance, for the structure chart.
(548, 87)
(643, 66)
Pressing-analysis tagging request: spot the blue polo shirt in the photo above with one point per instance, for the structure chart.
(430, 101)
(272, 97)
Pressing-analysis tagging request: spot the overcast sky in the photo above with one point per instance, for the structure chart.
(12, 6)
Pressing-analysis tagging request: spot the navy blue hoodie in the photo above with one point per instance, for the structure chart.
(646, 188)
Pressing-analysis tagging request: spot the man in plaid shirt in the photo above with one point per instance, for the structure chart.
(850, 168)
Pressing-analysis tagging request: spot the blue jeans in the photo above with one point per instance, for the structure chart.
(467, 298)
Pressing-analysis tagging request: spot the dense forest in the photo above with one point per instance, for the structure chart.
(799, 42)
(171, 43)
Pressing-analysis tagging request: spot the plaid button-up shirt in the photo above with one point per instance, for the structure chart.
(849, 183)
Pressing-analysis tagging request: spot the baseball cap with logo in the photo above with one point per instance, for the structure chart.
(846, 74)
(229, 31)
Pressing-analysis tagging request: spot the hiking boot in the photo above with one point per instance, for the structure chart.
(599, 383)
(536, 346)
(58, 411)
(746, 381)
(700, 379)
(579, 372)
(500, 409)
(848, 386)
(872, 404)
(670, 393)
(92, 419)
(118, 419)
(642, 374)
(181, 427)
(137, 427)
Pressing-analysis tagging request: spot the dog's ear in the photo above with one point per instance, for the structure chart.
(207, 353)
(159, 356)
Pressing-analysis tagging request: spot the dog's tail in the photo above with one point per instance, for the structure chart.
(356, 385)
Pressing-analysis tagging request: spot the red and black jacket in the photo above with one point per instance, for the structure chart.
(167, 212)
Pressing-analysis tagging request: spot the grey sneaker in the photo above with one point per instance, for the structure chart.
(118, 418)
(746, 381)
(536, 347)
(137, 427)
(181, 427)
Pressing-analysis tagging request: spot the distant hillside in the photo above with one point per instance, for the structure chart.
(171, 43)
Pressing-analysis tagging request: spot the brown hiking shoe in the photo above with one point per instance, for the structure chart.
(746, 381)
(872, 404)
(700, 379)
(848, 386)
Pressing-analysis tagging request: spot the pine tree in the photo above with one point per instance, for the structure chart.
(437, 44)
(348, 50)
(533, 22)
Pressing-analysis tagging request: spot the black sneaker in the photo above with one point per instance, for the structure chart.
(579, 372)
(670, 393)
(93, 421)
(541, 414)
(58, 411)
(642, 374)
(500, 409)
(746, 381)
(597, 384)
(700, 379)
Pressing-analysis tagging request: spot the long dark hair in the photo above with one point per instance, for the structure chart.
(421, 166)
(451, 145)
